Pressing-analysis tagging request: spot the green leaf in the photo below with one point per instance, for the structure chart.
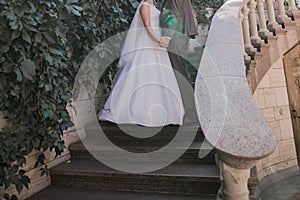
(56, 52)
(48, 57)
(18, 73)
(15, 34)
(25, 92)
(26, 37)
(71, 9)
(28, 66)
(13, 170)
(72, 1)
(44, 171)
(15, 180)
(14, 197)
(77, 8)
(14, 24)
(38, 37)
(25, 180)
(7, 67)
(22, 172)
(19, 187)
(49, 36)
(6, 196)
(40, 160)
(4, 48)
(2, 59)
(6, 183)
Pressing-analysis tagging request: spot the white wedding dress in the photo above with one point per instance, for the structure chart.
(146, 92)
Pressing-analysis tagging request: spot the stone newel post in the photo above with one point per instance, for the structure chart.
(234, 182)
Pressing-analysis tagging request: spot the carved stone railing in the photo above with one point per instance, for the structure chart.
(262, 22)
(229, 117)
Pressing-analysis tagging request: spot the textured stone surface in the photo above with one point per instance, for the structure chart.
(63, 193)
(177, 179)
(228, 115)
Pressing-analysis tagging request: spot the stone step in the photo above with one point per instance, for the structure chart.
(79, 151)
(187, 179)
(61, 192)
(152, 136)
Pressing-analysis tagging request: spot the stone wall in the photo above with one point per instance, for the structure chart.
(272, 98)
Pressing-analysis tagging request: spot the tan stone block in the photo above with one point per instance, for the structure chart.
(274, 158)
(291, 37)
(283, 165)
(259, 166)
(59, 160)
(70, 138)
(286, 128)
(282, 43)
(265, 82)
(265, 162)
(279, 63)
(282, 98)
(287, 150)
(271, 169)
(70, 111)
(261, 175)
(270, 97)
(277, 78)
(282, 112)
(30, 160)
(275, 125)
(268, 114)
(260, 99)
(293, 163)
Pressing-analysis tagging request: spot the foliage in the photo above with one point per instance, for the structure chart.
(42, 45)
(201, 12)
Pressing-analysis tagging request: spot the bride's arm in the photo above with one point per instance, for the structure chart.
(145, 13)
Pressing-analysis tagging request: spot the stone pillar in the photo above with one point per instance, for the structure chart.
(234, 178)
(263, 30)
(255, 39)
(241, 19)
(293, 9)
(246, 32)
(292, 5)
(282, 17)
(272, 24)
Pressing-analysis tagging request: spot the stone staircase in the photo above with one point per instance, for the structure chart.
(84, 177)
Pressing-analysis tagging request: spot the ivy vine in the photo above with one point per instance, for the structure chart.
(42, 45)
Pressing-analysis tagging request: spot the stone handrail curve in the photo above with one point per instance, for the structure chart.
(228, 115)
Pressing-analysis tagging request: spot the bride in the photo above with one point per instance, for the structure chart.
(146, 92)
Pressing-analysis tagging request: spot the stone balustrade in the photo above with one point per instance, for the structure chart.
(229, 117)
(262, 22)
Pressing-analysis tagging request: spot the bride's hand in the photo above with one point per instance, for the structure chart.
(164, 42)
